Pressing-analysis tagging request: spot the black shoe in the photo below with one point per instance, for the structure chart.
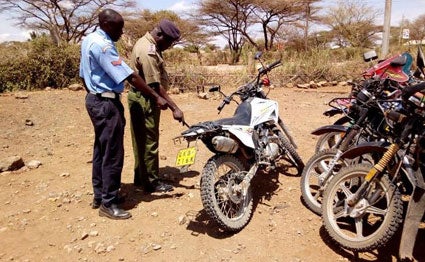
(159, 186)
(96, 203)
(113, 212)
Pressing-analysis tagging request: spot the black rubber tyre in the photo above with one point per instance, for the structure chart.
(291, 153)
(311, 187)
(366, 226)
(327, 141)
(221, 192)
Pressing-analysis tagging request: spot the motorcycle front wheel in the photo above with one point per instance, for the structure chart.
(222, 194)
(372, 221)
(328, 141)
(313, 179)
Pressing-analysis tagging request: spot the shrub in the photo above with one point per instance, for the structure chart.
(38, 64)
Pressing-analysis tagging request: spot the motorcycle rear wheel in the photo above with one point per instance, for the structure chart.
(368, 225)
(222, 195)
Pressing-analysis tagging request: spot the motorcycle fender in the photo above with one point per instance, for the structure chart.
(328, 129)
(332, 112)
(342, 120)
(243, 133)
(369, 147)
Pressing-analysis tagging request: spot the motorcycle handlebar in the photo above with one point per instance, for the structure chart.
(272, 65)
(220, 107)
(267, 68)
(262, 70)
(225, 101)
(410, 90)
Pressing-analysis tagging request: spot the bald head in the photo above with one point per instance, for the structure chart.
(109, 15)
(112, 23)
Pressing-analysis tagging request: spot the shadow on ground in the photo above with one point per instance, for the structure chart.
(383, 254)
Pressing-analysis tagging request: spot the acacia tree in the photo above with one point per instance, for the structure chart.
(65, 20)
(140, 23)
(352, 21)
(137, 24)
(272, 15)
(228, 18)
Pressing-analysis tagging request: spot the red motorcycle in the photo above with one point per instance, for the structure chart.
(396, 69)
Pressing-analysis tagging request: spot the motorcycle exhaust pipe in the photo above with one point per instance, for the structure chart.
(224, 144)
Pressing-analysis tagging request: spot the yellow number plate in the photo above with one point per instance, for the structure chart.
(186, 156)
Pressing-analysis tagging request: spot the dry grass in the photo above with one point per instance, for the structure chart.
(302, 67)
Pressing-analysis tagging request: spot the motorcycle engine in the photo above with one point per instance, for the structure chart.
(271, 151)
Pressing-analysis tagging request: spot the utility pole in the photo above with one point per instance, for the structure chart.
(387, 27)
(307, 17)
(401, 31)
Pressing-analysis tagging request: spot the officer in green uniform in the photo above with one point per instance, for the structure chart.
(146, 58)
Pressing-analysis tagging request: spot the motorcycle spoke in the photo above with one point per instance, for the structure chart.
(345, 190)
(358, 221)
(227, 207)
(339, 213)
(376, 210)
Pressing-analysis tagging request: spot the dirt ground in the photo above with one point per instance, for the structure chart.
(46, 214)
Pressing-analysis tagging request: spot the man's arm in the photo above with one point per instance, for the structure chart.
(177, 113)
(135, 80)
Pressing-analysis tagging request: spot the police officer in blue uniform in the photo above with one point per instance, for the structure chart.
(104, 73)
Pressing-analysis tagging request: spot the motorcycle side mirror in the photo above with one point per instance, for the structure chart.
(215, 88)
(370, 56)
(258, 55)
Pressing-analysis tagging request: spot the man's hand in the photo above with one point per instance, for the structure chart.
(178, 115)
(161, 102)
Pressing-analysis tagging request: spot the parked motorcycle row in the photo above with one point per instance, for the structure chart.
(364, 167)
(371, 159)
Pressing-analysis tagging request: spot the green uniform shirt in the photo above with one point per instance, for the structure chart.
(147, 60)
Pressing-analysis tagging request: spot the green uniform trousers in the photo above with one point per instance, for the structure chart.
(144, 125)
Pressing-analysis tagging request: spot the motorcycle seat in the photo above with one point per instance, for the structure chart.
(242, 116)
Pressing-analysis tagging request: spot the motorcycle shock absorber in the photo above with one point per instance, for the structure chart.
(377, 168)
(383, 162)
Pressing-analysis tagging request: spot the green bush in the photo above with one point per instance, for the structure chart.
(38, 64)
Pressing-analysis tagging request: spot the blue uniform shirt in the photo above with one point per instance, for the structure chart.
(101, 67)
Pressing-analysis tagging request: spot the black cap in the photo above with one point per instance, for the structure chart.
(169, 28)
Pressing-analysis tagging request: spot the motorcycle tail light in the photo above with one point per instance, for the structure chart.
(266, 81)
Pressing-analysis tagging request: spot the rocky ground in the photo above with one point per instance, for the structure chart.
(46, 213)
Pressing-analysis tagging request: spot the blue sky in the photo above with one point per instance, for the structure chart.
(409, 8)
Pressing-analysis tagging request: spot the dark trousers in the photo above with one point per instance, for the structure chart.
(144, 125)
(107, 116)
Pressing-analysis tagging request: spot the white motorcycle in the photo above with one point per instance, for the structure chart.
(254, 138)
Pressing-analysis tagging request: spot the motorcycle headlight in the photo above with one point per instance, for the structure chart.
(363, 96)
